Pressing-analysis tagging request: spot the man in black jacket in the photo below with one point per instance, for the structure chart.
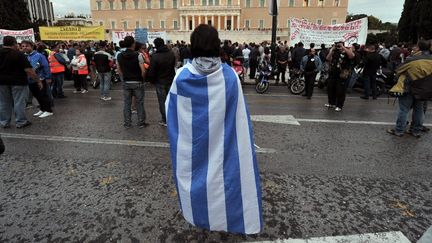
(372, 62)
(131, 67)
(161, 73)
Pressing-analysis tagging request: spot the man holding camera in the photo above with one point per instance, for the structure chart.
(340, 59)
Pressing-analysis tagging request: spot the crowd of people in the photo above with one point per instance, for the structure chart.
(41, 70)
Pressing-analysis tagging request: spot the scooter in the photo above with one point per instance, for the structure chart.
(297, 83)
(384, 80)
(237, 64)
(264, 72)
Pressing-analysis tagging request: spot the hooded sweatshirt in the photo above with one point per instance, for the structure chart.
(130, 66)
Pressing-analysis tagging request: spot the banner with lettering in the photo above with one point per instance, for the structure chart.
(307, 32)
(118, 35)
(20, 35)
(76, 33)
(153, 35)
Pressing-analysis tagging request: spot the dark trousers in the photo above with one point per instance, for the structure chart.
(370, 85)
(162, 93)
(336, 91)
(281, 70)
(130, 90)
(41, 96)
(57, 84)
(80, 81)
(253, 67)
(309, 82)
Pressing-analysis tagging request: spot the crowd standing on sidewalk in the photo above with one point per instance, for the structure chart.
(135, 63)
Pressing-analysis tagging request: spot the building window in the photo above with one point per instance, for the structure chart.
(229, 2)
(113, 24)
(247, 24)
(247, 3)
(261, 24)
(99, 5)
(162, 24)
(320, 3)
(291, 3)
(319, 21)
(217, 2)
(137, 24)
(211, 2)
(174, 3)
(125, 25)
(100, 23)
(150, 24)
(306, 3)
(111, 5)
(123, 4)
(192, 2)
(149, 4)
(289, 23)
(175, 24)
(337, 3)
(136, 4)
(334, 21)
(161, 4)
(203, 2)
(262, 3)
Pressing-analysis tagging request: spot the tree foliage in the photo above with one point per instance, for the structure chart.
(374, 23)
(14, 15)
(416, 20)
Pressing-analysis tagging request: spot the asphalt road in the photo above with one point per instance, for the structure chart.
(79, 176)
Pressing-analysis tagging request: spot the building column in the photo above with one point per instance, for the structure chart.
(219, 22)
(181, 22)
(212, 20)
(238, 22)
(193, 22)
(199, 20)
(225, 22)
(206, 19)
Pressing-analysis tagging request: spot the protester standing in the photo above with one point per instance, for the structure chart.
(131, 67)
(103, 62)
(57, 68)
(310, 66)
(41, 66)
(253, 61)
(372, 62)
(14, 69)
(161, 73)
(282, 63)
(80, 69)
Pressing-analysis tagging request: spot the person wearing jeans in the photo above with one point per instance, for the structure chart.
(14, 69)
(131, 66)
(105, 85)
(406, 102)
(103, 61)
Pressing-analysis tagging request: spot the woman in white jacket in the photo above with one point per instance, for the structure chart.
(80, 72)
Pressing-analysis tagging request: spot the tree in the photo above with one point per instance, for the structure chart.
(373, 22)
(416, 20)
(14, 15)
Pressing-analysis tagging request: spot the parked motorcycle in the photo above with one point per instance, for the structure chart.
(384, 80)
(296, 83)
(237, 64)
(265, 70)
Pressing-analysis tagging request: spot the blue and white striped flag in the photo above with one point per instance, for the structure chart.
(212, 151)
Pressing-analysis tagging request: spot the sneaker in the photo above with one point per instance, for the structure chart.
(162, 123)
(393, 132)
(134, 111)
(338, 109)
(142, 125)
(329, 106)
(84, 91)
(127, 126)
(46, 114)
(416, 135)
(107, 98)
(38, 113)
(24, 125)
(77, 91)
(102, 97)
(5, 126)
(425, 129)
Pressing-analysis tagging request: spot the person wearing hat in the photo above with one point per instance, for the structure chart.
(161, 73)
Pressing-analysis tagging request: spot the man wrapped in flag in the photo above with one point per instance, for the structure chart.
(212, 148)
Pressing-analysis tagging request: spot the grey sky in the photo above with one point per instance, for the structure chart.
(386, 10)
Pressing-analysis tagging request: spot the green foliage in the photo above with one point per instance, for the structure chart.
(374, 23)
(14, 15)
(416, 20)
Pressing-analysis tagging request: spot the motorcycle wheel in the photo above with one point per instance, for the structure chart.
(297, 86)
(262, 87)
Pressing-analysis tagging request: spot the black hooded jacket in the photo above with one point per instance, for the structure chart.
(129, 65)
(162, 67)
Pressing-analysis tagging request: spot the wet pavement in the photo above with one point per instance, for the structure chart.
(324, 179)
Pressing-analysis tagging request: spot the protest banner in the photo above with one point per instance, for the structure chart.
(141, 35)
(307, 32)
(77, 33)
(118, 35)
(153, 35)
(20, 35)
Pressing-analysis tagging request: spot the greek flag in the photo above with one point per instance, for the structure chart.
(212, 151)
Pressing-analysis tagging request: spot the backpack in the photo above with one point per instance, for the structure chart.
(310, 65)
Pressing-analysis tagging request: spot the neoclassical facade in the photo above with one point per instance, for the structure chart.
(225, 15)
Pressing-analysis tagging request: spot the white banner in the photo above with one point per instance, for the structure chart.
(117, 36)
(153, 35)
(20, 35)
(350, 33)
